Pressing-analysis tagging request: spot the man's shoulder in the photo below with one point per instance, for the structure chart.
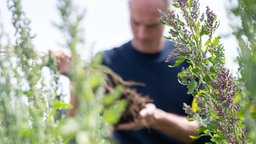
(115, 53)
(169, 44)
(116, 50)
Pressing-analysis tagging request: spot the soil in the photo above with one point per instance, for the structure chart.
(136, 103)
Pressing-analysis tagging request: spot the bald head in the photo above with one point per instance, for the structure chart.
(144, 19)
(152, 4)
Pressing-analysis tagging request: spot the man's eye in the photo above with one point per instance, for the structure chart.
(135, 23)
(151, 26)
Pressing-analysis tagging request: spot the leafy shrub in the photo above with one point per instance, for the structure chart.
(215, 104)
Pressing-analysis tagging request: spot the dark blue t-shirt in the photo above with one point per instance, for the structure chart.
(161, 85)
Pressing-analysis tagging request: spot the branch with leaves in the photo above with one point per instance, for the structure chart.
(215, 98)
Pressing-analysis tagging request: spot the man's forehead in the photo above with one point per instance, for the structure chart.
(155, 4)
(145, 20)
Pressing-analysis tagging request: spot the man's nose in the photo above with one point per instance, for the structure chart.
(142, 32)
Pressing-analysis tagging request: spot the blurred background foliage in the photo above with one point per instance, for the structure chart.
(32, 103)
(243, 11)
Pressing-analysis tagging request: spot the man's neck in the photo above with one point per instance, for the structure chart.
(150, 50)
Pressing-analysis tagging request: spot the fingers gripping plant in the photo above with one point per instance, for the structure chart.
(215, 98)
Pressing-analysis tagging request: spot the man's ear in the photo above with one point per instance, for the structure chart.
(129, 4)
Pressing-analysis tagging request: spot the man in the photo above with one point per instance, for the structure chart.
(142, 60)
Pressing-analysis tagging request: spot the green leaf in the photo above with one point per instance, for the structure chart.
(207, 42)
(113, 114)
(207, 78)
(175, 5)
(57, 105)
(88, 92)
(215, 41)
(190, 3)
(167, 37)
(237, 97)
(181, 22)
(214, 116)
(173, 32)
(162, 22)
(79, 73)
(180, 60)
(212, 69)
(111, 97)
(202, 31)
(201, 92)
(191, 87)
(181, 75)
(60, 105)
(198, 25)
(97, 59)
(212, 58)
(25, 131)
(201, 129)
(95, 79)
(195, 70)
(194, 137)
(27, 93)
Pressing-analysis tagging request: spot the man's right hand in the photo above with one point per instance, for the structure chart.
(147, 118)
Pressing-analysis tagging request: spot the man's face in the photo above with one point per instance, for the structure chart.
(144, 19)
